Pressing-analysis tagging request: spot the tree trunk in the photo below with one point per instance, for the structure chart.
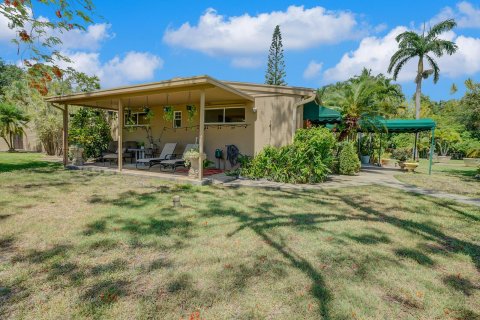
(11, 147)
(418, 96)
(8, 144)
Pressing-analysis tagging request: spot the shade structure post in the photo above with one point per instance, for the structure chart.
(380, 151)
(120, 136)
(432, 149)
(65, 135)
(201, 134)
(415, 147)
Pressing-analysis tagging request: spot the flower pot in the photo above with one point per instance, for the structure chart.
(195, 165)
(411, 166)
(77, 155)
(387, 162)
(444, 159)
(471, 162)
(365, 159)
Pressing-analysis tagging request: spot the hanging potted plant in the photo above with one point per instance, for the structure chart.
(191, 112)
(168, 113)
(149, 113)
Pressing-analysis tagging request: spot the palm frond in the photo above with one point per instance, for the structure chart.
(436, 69)
(400, 55)
(440, 28)
(399, 66)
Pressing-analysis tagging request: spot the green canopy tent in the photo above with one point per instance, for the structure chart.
(320, 115)
(380, 124)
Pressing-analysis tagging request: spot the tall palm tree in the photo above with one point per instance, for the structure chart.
(12, 122)
(424, 46)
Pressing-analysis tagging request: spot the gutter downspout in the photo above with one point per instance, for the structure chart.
(295, 109)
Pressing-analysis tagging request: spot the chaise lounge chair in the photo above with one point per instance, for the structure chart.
(167, 153)
(179, 162)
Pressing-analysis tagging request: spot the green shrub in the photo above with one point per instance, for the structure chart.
(349, 162)
(90, 129)
(473, 153)
(307, 160)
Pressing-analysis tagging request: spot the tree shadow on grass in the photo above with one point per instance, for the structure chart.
(415, 255)
(460, 284)
(370, 239)
(423, 230)
(268, 220)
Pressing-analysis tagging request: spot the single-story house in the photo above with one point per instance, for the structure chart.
(248, 115)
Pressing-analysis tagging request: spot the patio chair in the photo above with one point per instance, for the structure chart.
(167, 153)
(177, 161)
(111, 154)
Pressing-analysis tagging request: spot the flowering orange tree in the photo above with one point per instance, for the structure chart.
(38, 38)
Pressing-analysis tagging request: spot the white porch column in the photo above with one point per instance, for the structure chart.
(201, 134)
(120, 135)
(65, 134)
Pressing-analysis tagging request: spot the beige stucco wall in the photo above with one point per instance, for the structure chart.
(30, 141)
(274, 123)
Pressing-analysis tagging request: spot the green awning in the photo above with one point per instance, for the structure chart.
(397, 125)
(320, 114)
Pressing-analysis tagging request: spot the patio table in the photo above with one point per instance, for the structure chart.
(139, 153)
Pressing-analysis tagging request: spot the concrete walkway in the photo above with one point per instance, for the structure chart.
(367, 176)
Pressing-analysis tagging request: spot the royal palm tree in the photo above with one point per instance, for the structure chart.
(425, 46)
(12, 122)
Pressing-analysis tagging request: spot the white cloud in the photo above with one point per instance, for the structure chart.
(243, 35)
(374, 53)
(6, 34)
(134, 67)
(90, 39)
(313, 70)
(466, 15)
(247, 62)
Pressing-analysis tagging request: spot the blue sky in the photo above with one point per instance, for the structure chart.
(325, 41)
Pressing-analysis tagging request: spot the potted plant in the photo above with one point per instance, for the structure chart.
(365, 150)
(473, 158)
(401, 155)
(168, 113)
(192, 160)
(386, 160)
(411, 165)
(76, 154)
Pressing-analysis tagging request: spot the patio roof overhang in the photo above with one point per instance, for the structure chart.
(171, 92)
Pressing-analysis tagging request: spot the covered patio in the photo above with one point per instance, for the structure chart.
(201, 94)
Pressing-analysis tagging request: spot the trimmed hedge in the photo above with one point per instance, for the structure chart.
(349, 164)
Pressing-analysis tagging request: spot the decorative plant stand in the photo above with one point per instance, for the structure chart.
(471, 162)
(195, 165)
(411, 166)
(77, 155)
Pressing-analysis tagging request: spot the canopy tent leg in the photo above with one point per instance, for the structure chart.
(415, 147)
(380, 151)
(432, 147)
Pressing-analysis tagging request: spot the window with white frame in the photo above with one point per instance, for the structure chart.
(135, 119)
(177, 119)
(225, 115)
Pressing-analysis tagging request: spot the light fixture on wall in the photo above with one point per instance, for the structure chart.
(254, 109)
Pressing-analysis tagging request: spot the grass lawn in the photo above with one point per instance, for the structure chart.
(452, 177)
(87, 245)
